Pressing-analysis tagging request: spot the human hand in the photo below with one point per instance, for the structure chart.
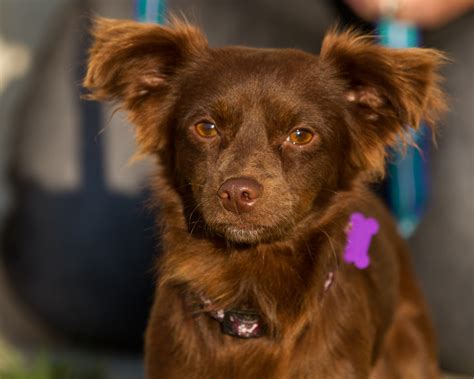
(424, 13)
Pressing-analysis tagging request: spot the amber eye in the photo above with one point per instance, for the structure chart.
(206, 129)
(300, 137)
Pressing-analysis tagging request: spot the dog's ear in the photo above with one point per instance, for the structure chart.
(387, 91)
(137, 65)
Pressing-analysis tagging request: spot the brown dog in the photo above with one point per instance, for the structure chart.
(263, 156)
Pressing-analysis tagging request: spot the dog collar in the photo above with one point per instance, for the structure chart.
(245, 323)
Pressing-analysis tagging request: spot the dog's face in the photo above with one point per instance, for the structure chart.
(257, 139)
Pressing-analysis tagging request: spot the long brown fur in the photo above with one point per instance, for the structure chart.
(358, 98)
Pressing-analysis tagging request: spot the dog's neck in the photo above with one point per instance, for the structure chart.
(272, 281)
(242, 323)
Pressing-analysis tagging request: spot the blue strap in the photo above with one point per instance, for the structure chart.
(152, 11)
(407, 187)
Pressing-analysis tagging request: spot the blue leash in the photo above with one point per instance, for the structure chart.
(407, 187)
(153, 11)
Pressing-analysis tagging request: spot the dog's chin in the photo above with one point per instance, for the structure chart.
(248, 234)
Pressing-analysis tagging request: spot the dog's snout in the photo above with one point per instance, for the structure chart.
(239, 195)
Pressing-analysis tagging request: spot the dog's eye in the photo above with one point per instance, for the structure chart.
(206, 129)
(300, 137)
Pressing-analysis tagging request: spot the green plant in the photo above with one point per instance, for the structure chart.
(46, 368)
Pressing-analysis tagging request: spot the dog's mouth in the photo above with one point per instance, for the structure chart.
(244, 233)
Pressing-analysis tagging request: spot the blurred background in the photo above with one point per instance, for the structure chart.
(77, 244)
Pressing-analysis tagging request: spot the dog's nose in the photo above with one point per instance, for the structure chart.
(239, 195)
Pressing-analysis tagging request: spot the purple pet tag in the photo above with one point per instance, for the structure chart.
(359, 235)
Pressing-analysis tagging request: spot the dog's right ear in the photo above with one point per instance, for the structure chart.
(135, 65)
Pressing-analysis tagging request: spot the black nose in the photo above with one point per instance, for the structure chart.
(239, 195)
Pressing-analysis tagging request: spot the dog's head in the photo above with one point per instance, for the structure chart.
(257, 139)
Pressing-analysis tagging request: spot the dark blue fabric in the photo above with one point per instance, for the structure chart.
(83, 260)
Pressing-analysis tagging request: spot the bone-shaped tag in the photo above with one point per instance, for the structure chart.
(359, 235)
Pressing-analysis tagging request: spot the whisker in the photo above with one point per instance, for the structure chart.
(336, 260)
(190, 218)
(329, 190)
(189, 184)
(310, 252)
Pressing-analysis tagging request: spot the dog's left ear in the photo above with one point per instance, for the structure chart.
(138, 65)
(387, 91)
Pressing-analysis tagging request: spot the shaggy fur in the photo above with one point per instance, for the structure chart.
(357, 98)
